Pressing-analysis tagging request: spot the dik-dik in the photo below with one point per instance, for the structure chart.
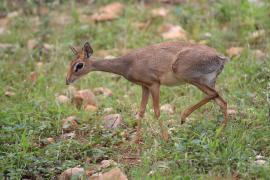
(168, 63)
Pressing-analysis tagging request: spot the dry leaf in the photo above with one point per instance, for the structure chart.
(234, 51)
(83, 98)
(162, 12)
(72, 173)
(168, 108)
(170, 31)
(108, 12)
(9, 93)
(103, 90)
(62, 99)
(112, 121)
(69, 124)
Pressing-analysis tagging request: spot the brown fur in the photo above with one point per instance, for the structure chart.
(168, 63)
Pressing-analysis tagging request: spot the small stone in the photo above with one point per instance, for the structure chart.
(104, 91)
(234, 51)
(9, 93)
(72, 173)
(84, 98)
(108, 110)
(113, 174)
(168, 108)
(69, 124)
(91, 108)
(260, 162)
(170, 31)
(162, 12)
(50, 140)
(112, 121)
(106, 163)
(62, 99)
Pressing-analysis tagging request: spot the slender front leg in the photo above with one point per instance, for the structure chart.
(154, 89)
(145, 95)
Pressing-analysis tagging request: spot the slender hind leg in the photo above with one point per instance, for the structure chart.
(212, 94)
(154, 90)
(145, 95)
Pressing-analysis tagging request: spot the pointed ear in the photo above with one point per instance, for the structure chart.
(88, 51)
(75, 52)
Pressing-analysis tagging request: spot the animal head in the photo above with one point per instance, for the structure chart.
(81, 65)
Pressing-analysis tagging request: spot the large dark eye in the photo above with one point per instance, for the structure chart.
(78, 66)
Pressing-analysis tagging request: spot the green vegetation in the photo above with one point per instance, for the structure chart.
(195, 150)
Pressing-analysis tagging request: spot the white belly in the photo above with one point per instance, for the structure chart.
(169, 79)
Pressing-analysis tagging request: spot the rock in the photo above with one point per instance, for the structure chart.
(62, 99)
(91, 108)
(72, 173)
(50, 140)
(112, 121)
(83, 98)
(9, 93)
(234, 51)
(260, 162)
(108, 12)
(162, 12)
(106, 163)
(113, 174)
(104, 91)
(108, 110)
(168, 108)
(170, 31)
(69, 124)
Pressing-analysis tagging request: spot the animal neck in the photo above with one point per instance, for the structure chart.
(116, 65)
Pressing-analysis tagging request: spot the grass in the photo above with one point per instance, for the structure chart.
(195, 150)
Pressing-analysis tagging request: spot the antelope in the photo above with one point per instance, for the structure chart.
(167, 63)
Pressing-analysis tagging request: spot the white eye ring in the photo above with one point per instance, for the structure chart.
(78, 66)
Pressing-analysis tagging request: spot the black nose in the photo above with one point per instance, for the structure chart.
(67, 82)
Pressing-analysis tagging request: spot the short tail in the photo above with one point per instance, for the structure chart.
(224, 58)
